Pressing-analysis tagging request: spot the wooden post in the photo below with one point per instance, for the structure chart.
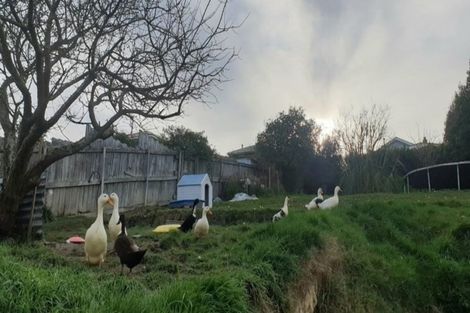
(102, 169)
(277, 181)
(269, 177)
(147, 177)
(221, 170)
(179, 172)
(458, 177)
(429, 180)
(31, 215)
(180, 165)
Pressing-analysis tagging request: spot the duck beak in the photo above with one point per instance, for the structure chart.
(209, 212)
(110, 201)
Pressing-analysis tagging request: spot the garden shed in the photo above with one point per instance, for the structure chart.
(198, 186)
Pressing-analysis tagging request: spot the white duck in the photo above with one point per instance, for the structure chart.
(330, 202)
(96, 240)
(114, 226)
(315, 201)
(284, 211)
(202, 225)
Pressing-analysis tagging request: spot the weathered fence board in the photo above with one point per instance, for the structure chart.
(146, 174)
(138, 177)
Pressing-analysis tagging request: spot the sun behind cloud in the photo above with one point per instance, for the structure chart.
(327, 127)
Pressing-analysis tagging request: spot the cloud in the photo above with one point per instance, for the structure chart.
(329, 56)
(272, 73)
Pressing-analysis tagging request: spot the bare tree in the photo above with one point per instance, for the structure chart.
(362, 133)
(97, 62)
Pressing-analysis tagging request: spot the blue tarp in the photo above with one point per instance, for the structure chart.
(181, 203)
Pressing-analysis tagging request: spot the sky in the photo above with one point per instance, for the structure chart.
(330, 56)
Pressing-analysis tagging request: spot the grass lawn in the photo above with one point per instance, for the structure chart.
(373, 253)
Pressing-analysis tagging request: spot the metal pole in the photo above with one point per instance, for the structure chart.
(429, 181)
(458, 177)
(102, 169)
(147, 178)
(408, 184)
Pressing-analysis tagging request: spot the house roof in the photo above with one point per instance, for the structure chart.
(243, 151)
(191, 180)
(403, 141)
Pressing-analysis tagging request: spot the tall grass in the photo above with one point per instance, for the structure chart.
(379, 171)
(242, 268)
(383, 170)
(402, 253)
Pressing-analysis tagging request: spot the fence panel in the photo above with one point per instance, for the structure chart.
(138, 177)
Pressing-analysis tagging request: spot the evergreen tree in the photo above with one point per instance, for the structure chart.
(288, 142)
(192, 144)
(457, 126)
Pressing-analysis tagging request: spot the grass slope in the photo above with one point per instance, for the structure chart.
(401, 253)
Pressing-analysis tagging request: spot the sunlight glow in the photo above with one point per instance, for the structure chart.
(327, 126)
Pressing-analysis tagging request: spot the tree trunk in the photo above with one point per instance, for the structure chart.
(9, 203)
(15, 184)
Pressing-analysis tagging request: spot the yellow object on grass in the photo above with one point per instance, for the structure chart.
(166, 228)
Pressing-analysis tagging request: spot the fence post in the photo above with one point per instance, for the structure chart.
(458, 177)
(221, 170)
(429, 180)
(277, 180)
(147, 178)
(31, 215)
(102, 169)
(180, 165)
(269, 177)
(179, 172)
(408, 184)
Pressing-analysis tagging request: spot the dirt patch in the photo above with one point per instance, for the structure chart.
(74, 255)
(304, 295)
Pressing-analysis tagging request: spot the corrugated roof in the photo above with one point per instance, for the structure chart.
(191, 180)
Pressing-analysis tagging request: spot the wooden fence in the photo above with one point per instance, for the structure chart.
(139, 177)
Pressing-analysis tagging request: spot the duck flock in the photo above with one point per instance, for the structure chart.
(130, 254)
(317, 203)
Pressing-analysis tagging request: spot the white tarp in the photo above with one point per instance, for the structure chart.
(241, 196)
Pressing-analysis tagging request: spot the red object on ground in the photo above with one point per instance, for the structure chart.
(76, 240)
